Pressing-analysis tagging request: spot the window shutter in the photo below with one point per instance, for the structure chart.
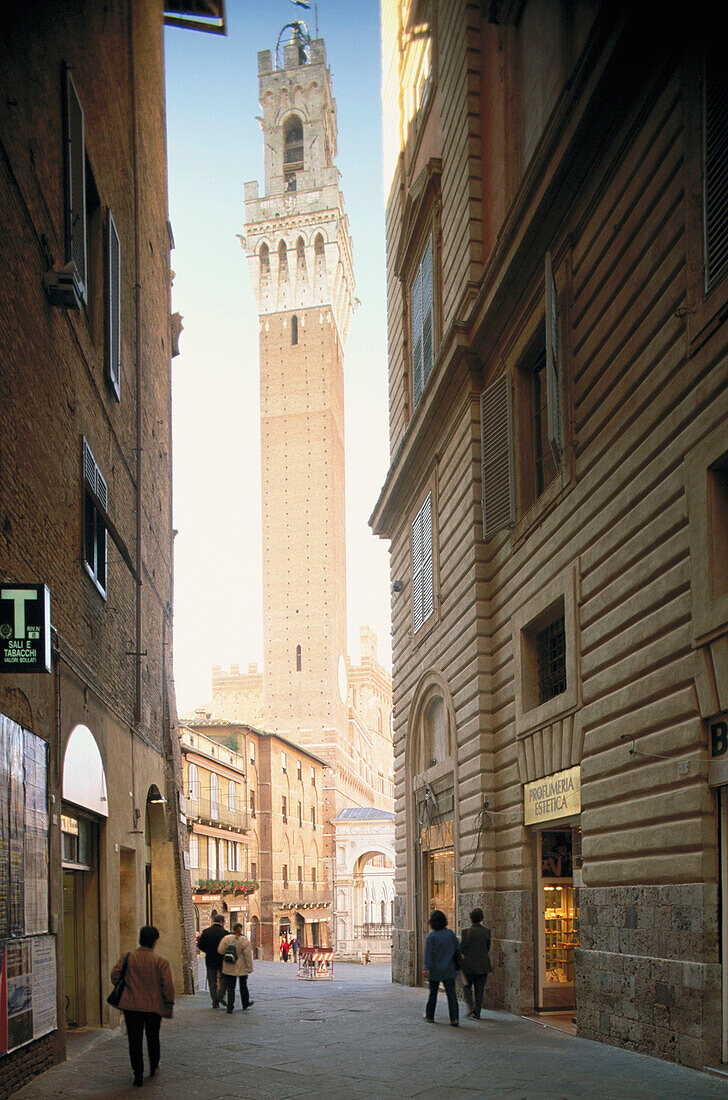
(75, 184)
(417, 348)
(113, 305)
(552, 364)
(496, 439)
(716, 166)
(422, 574)
(427, 343)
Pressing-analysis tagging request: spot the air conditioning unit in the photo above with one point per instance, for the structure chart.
(63, 287)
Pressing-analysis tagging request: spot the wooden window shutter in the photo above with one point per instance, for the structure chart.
(427, 331)
(417, 349)
(75, 166)
(422, 324)
(113, 305)
(552, 363)
(423, 603)
(716, 166)
(496, 439)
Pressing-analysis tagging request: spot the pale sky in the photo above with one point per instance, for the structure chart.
(215, 146)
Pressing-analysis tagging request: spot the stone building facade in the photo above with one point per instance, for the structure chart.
(556, 505)
(279, 822)
(91, 845)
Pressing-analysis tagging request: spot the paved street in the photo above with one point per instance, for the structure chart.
(361, 1036)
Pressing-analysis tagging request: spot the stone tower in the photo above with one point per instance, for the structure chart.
(299, 253)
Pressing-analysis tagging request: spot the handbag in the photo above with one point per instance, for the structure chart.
(115, 996)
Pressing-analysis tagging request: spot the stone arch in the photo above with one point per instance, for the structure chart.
(84, 777)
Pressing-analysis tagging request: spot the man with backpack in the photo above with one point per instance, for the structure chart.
(208, 943)
(236, 953)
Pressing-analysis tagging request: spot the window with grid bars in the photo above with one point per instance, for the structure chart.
(96, 502)
(421, 312)
(551, 660)
(715, 174)
(423, 597)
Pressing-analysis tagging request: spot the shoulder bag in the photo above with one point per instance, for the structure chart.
(115, 996)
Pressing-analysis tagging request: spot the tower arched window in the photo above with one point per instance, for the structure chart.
(293, 144)
(264, 260)
(298, 658)
(294, 331)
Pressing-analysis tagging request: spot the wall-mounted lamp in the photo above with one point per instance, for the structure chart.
(397, 586)
(156, 800)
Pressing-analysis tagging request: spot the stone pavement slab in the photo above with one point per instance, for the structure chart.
(360, 1036)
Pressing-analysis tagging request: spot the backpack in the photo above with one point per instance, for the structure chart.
(231, 954)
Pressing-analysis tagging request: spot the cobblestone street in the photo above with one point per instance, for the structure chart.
(361, 1036)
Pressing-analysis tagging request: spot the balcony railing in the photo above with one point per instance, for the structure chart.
(205, 809)
(373, 931)
(300, 893)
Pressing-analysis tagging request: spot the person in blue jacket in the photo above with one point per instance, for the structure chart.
(442, 952)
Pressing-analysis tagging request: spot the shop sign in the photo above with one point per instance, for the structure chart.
(204, 899)
(25, 628)
(718, 749)
(555, 796)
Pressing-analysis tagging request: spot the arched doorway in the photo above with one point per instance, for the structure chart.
(83, 812)
(153, 839)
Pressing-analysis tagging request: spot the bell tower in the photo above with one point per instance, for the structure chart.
(298, 249)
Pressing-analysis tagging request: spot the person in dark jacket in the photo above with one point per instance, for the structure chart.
(209, 942)
(148, 996)
(475, 962)
(441, 965)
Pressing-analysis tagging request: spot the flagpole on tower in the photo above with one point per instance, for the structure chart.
(307, 5)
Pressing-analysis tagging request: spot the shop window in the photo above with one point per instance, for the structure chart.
(423, 596)
(96, 502)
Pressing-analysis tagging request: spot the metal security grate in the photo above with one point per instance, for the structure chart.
(551, 654)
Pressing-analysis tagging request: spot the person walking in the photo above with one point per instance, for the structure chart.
(237, 963)
(148, 995)
(295, 944)
(208, 943)
(284, 950)
(441, 965)
(475, 962)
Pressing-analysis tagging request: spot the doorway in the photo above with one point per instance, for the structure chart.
(558, 918)
(81, 932)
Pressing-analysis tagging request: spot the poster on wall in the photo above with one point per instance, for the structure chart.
(27, 991)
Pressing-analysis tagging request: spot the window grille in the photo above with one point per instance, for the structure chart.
(551, 657)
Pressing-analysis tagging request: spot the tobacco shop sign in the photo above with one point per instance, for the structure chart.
(25, 628)
(554, 796)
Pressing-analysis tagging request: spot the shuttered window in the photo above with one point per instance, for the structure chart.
(496, 438)
(421, 310)
(113, 305)
(96, 506)
(423, 601)
(552, 363)
(716, 166)
(75, 196)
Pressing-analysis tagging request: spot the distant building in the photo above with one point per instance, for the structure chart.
(277, 830)
(91, 844)
(364, 883)
(556, 504)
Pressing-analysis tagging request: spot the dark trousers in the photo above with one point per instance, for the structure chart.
(452, 1001)
(215, 984)
(230, 980)
(136, 1024)
(473, 991)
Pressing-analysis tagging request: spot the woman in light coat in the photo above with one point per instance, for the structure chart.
(148, 995)
(240, 969)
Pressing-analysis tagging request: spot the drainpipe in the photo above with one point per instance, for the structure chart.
(138, 375)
